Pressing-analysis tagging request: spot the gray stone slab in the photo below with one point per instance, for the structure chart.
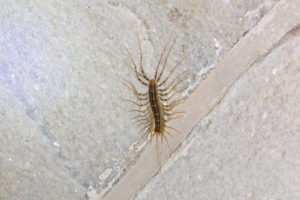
(65, 134)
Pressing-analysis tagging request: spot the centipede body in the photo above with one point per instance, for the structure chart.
(156, 107)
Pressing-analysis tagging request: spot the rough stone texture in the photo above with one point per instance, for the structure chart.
(63, 132)
(248, 147)
(269, 33)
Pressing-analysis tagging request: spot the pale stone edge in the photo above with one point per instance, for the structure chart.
(265, 36)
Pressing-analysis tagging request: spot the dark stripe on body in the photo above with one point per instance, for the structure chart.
(155, 105)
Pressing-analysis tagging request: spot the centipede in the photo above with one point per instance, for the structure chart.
(156, 107)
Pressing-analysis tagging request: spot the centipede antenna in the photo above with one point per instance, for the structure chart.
(141, 58)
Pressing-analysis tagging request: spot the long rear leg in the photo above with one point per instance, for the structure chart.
(159, 167)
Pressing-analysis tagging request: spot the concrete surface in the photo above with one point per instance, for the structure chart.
(65, 134)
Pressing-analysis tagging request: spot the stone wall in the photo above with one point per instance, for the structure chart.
(66, 134)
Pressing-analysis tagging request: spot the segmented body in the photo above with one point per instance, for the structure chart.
(156, 107)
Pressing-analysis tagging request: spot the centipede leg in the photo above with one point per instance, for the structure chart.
(138, 97)
(138, 116)
(135, 69)
(179, 82)
(173, 83)
(173, 105)
(147, 128)
(167, 141)
(169, 127)
(174, 93)
(170, 134)
(159, 167)
(174, 113)
(132, 88)
(144, 123)
(142, 120)
(173, 118)
(140, 111)
(171, 72)
(160, 58)
(131, 101)
(166, 59)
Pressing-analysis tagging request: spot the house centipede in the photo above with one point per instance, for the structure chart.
(155, 108)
